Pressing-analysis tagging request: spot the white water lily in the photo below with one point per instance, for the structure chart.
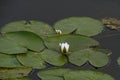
(64, 47)
(58, 31)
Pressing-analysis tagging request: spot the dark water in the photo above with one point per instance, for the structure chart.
(53, 10)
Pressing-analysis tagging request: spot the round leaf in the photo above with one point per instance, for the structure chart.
(9, 61)
(76, 42)
(54, 58)
(27, 39)
(31, 59)
(19, 42)
(14, 73)
(37, 27)
(10, 47)
(78, 58)
(83, 25)
(87, 75)
(53, 74)
(96, 58)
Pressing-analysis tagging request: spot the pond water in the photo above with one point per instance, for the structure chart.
(53, 10)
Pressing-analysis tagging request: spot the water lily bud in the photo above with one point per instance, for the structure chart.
(64, 47)
(58, 32)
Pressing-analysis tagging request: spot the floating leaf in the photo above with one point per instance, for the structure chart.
(14, 73)
(18, 79)
(106, 51)
(69, 74)
(37, 27)
(118, 60)
(83, 25)
(53, 74)
(54, 58)
(9, 61)
(8, 46)
(16, 42)
(31, 59)
(87, 75)
(96, 58)
(76, 42)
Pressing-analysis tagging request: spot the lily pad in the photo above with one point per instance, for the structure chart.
(76, 42)
(54, 58)
(14, 72)
(18, 79)
(72, 74)
(87, 75)
(82, 25)
(37, 27)
(31, 59)
(44, 77)
(19, 42)
(53, 74)
(9, 61)
(106, 51)
(96, 58)
(118, 60)
(8, 46)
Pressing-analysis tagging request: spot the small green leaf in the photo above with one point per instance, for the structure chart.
(19, 42)
(118, 60)
(87, 75)
(31, 59)
(9, 61)
(76, 42)
(14, 72)
(53, 57)
(83, 25)
(78, 58)
(96, 58)
(37, 27)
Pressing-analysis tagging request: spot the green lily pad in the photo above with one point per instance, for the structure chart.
(18, 79)
(9, 61)
(87, 75)
(14, 72)
(54, 58)
(106, 51)
(37, 27)
(96, 58)
(76, 42)
(31, 59)
(19, 42)
(83, 25)
(71, 74)
(53, 74)
(44, 77)
(118, 60)
(8, 46)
